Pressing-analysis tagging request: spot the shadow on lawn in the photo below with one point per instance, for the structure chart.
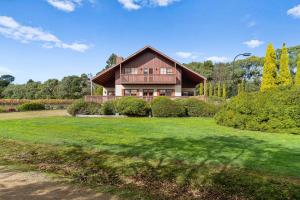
(172, 168)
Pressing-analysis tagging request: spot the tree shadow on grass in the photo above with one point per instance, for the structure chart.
(212, 167)
(215, 167)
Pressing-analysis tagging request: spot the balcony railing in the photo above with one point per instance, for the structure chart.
(148, 79)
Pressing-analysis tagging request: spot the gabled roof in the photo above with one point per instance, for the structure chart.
(141, 51)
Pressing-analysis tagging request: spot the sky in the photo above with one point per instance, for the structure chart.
(42, 39)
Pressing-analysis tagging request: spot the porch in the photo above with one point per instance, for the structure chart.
(103, 99)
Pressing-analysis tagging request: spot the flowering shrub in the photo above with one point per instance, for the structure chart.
(40, 101)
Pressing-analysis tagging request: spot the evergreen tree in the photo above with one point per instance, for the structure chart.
(210, 92)
(206, 90)
(285, 77)
(239, 88)
(297, 77)
(269, 70)
(224, 91)
(201, 89)
(215, 90)
(219, 90)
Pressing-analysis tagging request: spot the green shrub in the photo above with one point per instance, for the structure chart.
(198, 108)
(31, 107)
(165, 107)
(2, 110)
(132, 106)
(108, 108)
(272, 110)
(84, 108)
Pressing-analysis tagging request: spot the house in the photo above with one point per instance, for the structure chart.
(148, 73)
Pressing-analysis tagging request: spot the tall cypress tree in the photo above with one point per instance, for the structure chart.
(224, 91)
(210, 92)
(285, 77)
(219, 89)
(269, 71)
(201, 89)
(297, 77)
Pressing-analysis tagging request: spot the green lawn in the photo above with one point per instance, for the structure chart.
(176, 149)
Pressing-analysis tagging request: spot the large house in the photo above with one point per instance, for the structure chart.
(148, 73)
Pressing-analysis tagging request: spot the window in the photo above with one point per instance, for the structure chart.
(169, 71)
(165, 92)
(132, 92)
(130, 70)
(165, 70)
(187, 93)
(146, 71)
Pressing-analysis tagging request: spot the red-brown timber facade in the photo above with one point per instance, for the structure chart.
(146, 74)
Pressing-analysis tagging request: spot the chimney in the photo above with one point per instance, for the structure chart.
(119, 59)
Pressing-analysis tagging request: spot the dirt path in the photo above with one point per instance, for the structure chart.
(16, 185)
(33, 114)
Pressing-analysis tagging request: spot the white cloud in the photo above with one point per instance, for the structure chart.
(64, 5)
(137, 4)
(25, 34)
(4, 70)
(129, 4)
(187, 55)
(182, 54)
(253, 43)
(217, 59)
(295, 11)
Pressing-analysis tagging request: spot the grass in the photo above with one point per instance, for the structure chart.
(159, 158)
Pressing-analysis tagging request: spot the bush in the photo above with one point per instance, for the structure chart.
(165, 107)
(2, 110)
(84, 108)
(108, 108)
(273, 110)
(132, 106)
(198, 108)
(31, 107)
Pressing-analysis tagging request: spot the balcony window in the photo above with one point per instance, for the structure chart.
(146, 71)
(165, 70)
(131, 92)
(130, 70)
(165, 92)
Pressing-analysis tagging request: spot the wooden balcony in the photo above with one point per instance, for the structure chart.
(148, 79)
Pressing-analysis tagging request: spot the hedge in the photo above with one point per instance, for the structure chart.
(198, 108)
(273, 110)
(84, 108)
(132, 106)
(31, 107)
(165, 107)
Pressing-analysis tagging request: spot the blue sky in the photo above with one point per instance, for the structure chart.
(42, 39)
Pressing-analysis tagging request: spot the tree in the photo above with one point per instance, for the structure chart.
(216, 90)
(297, 77)
(219, 90)
(210, 92)
(285, 77)
(49, 89)
(206, 90)
(112, 60)
(201, 89)
(224, 91)
(269, 78)
(5, 80)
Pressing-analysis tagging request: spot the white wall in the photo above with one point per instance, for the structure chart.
(119, 88)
